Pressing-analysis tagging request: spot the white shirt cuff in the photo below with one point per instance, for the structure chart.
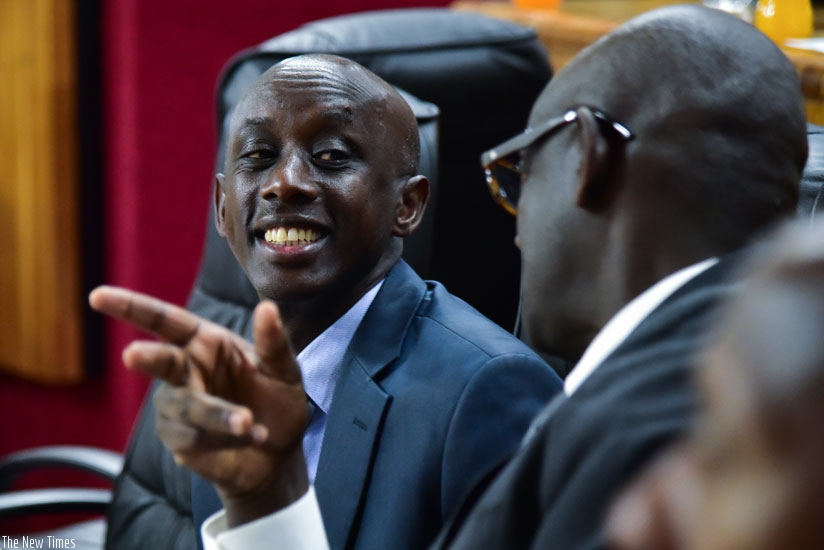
(299, 526)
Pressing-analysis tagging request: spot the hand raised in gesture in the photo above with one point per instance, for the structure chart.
(230, 410)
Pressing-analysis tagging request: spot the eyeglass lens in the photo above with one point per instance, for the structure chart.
(504, 178)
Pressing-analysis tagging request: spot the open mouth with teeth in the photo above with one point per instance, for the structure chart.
(290, 236)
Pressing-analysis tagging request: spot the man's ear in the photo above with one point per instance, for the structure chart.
(592, 188)
(411, 206)
(220, 204)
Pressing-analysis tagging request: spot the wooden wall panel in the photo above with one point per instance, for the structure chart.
(40, 297)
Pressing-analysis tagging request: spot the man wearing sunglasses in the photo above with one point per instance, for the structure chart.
(650, 160)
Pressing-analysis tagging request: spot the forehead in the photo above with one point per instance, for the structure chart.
(340, 93)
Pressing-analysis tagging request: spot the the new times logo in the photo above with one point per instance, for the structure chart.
(35, 542)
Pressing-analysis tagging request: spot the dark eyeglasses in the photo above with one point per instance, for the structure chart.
(502, 163)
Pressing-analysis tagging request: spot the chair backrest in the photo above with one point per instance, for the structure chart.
(811, 198)
(483, 74)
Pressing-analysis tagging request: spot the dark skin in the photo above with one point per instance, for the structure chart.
(232, 411)
(749, 475)
(600, 221)
(319, 145)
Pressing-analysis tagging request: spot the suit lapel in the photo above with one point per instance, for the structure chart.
(352, 429)
(359, 405)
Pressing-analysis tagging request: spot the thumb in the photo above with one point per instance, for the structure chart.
(275, 356)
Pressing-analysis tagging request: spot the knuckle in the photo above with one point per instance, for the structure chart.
(158, 318)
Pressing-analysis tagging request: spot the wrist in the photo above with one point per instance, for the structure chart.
(289, 484)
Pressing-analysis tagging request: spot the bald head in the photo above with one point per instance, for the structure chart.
(337, 77)
(716, 110)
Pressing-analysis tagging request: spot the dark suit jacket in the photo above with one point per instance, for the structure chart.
(432, 397)
(555, 492)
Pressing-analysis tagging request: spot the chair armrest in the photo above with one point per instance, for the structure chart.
(54, 500)
(102, 462)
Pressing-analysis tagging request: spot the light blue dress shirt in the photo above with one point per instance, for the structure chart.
(320, 364)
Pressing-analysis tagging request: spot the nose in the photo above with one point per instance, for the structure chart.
(289, 181)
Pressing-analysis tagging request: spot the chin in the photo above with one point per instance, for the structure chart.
(288, 293)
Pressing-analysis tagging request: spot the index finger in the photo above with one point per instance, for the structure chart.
(168, 321)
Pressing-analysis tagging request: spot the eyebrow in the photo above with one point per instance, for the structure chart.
(340, 114)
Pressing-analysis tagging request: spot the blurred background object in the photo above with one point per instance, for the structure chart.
(537, 4)
(739, 8)
(783, 19)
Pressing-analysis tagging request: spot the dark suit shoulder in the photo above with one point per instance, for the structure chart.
(466, 323)
(456, 354)
(443, 370)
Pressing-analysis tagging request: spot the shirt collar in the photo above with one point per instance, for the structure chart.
(321, 361)
(627, 319)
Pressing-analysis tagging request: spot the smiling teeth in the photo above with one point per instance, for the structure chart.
(290, 236)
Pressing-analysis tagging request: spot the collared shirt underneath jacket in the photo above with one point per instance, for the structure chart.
(320, 365)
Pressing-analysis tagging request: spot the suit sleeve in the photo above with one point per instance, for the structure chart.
(491, 418)
(151, 504)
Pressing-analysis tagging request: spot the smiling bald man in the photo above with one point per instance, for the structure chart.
(413, 396)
